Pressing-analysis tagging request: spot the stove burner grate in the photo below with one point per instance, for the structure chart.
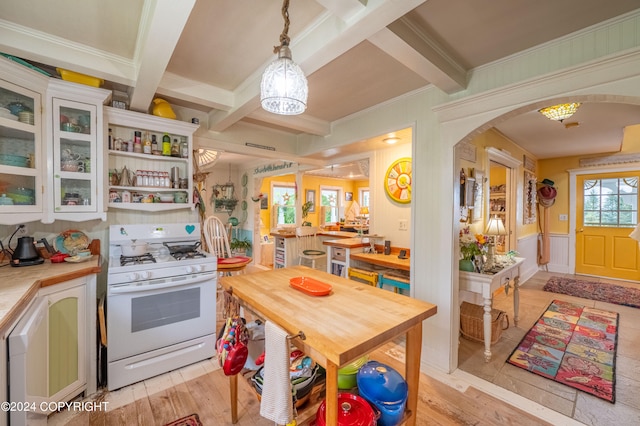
(180, 255)
(137, 260)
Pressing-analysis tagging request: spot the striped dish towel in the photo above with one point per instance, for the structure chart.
(276, 403)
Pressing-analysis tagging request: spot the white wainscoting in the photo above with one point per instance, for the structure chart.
(527, 247)
(559, 253)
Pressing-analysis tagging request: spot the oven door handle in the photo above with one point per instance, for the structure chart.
(143, 288)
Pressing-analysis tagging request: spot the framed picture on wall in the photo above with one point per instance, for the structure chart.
(264, 203)
(311, 196)
(348, 196)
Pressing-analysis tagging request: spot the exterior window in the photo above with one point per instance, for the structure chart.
(611, 202)
(330, 200)
(364, 197)
(284, 202)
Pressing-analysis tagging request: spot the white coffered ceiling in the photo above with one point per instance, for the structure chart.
(209, 55)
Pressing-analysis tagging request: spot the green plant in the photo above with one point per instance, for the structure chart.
(240, 244)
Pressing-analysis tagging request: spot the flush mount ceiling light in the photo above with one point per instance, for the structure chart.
(390, 141)
(560, 112)
(283, 89)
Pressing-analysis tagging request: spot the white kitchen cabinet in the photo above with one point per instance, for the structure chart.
(131, 189)
(22, 161)
(76, 166)
(52, 349)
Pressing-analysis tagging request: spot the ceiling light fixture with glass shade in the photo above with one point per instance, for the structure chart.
(560, 112)
(283, 89)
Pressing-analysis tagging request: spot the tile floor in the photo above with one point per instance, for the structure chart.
(572, 403)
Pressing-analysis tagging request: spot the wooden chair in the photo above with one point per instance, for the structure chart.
(364, 276)
(394, 279)
(308, 245)
(217, 239)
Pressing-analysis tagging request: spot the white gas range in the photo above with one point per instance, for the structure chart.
(161, 305)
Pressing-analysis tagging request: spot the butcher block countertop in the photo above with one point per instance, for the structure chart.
(355, 318)
(19, 285)
(350, 321)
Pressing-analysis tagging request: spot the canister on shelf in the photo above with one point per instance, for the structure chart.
(175, 148)
(146, 143)
(166, 144)
(184, 148)
(137, 142)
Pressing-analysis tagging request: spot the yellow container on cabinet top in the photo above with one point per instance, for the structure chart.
(76, 77)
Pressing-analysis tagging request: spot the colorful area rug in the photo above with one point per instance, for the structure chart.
(603, 292)
(573, 345)
(191, 420)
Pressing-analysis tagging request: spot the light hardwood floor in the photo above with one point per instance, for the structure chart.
(202, 388)
(577, 405)
(478, 393)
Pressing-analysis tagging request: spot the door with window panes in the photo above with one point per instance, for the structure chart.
(606, 213)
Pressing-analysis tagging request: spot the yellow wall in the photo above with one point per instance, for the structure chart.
(308, 182)
(556, 169)
(495, 139)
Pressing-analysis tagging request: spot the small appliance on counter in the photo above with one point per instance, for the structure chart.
(25, 253)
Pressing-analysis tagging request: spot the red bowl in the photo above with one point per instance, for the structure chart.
(58, 257)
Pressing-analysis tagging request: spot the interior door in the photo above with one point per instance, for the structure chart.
(606, 213)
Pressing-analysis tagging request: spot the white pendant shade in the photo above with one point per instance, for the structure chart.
(283, 89)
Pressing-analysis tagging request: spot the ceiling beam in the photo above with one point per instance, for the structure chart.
(324, 41)
(175, 86)
(302, 123)
(160, 28)
(407, 43)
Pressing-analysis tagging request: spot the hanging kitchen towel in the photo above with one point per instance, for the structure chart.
(276, 403)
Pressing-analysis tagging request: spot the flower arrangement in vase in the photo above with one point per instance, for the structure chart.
(472, 247)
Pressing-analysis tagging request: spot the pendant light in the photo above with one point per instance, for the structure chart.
(283, 89)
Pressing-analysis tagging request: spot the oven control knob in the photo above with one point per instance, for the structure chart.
(132, 276)
(194, 268)
(145, 275)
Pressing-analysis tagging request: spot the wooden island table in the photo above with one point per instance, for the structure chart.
(353, 320)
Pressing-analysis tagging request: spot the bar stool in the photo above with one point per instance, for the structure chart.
(361, 275)
(394, 279)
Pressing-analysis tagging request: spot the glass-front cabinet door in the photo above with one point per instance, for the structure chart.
(74, 156)
(20, 154)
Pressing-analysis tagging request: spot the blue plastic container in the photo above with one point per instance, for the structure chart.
(386, 389)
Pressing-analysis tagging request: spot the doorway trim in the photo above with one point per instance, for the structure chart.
(513, 167)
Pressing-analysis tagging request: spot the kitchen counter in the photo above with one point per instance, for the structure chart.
(19, 285)
(386, 260)
(336, 234)
(338, 328)
(346, 243)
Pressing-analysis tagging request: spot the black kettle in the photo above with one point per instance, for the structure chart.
(25, 252)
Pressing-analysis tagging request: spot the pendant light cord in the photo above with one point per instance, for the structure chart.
(284, 37)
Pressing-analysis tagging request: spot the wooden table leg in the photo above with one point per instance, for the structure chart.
(486, 323)
(412, 369)
(516, 299)
(233, 388)
(332, 394)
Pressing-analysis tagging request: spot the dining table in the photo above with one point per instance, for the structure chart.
(336, 326)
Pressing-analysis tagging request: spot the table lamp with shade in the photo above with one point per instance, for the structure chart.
(495, 227)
